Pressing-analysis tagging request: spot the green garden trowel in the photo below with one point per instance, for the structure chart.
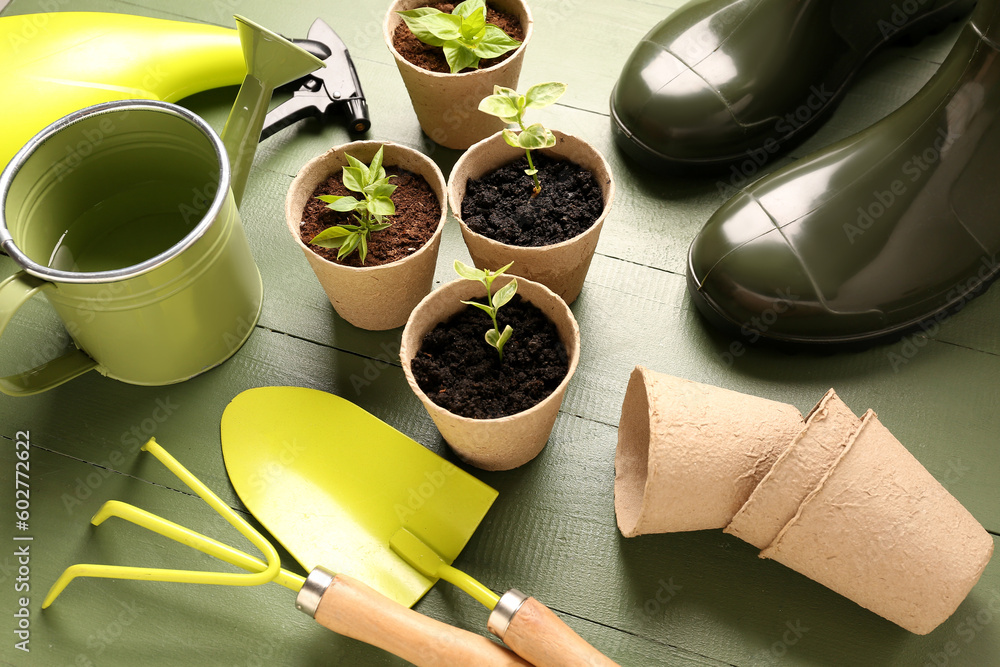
(341, 489)
(333, 483)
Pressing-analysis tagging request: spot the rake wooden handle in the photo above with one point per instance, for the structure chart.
(349, 607)
(537, 635)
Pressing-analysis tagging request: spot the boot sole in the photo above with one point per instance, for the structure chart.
(855, 342)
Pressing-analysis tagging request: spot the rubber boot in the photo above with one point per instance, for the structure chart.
(890, 229)
(730, 84)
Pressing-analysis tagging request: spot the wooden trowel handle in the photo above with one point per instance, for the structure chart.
(349, 607)
(536, 634)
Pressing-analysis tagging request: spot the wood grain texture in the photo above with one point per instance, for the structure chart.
(700, 598)
(351, 608)
(538, 635)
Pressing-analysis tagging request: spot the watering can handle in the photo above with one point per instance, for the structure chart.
(349, 607)
(14, 293)
(537, 634)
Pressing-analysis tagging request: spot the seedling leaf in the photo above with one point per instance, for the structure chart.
(500, 106)
(381, 206)
(505, 294)
(355, 179)
(339, 204)
(494, 43)
(535, 137)
(493, 301)
(508, 105)
(480, 306)
(432, 26)
(469, 272)
(474, 24)
(543, 94)
(331, 237)
(470, 7)
(382, 190)
(376, 167)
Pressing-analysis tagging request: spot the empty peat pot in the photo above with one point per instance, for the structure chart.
(562, 267)
(880, 530)
(689, 454)
(829, 428)
(505, 442)
(837, 499)
(370, 297)
(446, 104)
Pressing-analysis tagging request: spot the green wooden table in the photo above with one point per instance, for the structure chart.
(700, 598)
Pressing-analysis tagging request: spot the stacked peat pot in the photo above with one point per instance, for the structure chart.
(447, 104)
(379, 292)
(834, 497)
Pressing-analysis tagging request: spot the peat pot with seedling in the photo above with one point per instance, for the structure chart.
(368, 217)
(531, 196)
(450, 60)
(490, 357)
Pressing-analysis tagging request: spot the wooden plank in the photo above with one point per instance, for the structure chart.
(697, 598)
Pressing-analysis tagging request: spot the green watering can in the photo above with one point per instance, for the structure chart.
(124, 215)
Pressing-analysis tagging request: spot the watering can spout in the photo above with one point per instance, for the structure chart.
(271, 61)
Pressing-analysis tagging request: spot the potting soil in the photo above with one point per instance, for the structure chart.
(500, 206)
(462, 373)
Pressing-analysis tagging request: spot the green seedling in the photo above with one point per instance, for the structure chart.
(370, 211)
(509, 106)
(493, 301)
(464, 35)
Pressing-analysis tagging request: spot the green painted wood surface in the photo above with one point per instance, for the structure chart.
(686, 599)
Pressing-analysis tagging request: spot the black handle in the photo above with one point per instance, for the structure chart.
(357, 115)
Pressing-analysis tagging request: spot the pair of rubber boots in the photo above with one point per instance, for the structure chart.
(887, 231)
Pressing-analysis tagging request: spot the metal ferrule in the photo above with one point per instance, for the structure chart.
(312, 591)
(501, 616)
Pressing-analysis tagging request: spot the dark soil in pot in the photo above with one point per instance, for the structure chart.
(432, 58)
(459, 371)
(418, 213)
(500, 206)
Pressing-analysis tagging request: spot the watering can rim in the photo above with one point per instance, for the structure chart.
(56, 275)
